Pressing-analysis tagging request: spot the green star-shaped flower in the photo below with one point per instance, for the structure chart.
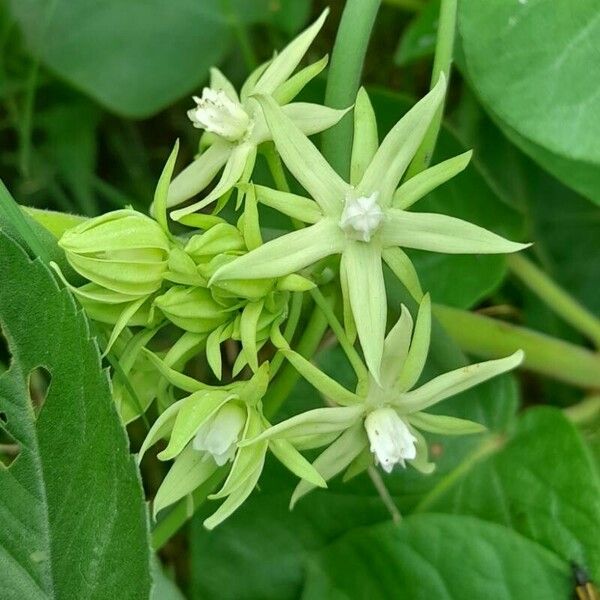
(386, 418)
(366, 220)
(235, 124)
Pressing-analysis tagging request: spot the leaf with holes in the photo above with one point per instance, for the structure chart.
(74, 523)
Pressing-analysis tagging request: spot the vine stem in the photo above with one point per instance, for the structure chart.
(491, 338)
(442, 62)
(338, 330)
(344, 75)
(562, 303)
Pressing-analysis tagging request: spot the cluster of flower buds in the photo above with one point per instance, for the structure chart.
(219, 282)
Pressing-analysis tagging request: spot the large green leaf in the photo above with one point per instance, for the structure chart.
(535, 68)
(74, 522)
(436, 556)
(543, 484)
(137, 57)
(535, 63)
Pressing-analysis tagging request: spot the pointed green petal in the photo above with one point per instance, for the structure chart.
(395, 348)
(349, 324)
(122, 322)
(401, 266)
(286, 254)
(450, 384)
(359, 465)
(248, 86)
(399, 146)
(289, 89)
(248, 326)
(444, 425)
(312, 118)
(419, 348)
(366, 290)
(196, 176)
(441, 233)
(237, 163)
(330, 388)
(194, 411)
(288, 456)
(313, 422)
(236, 498)
(190, 469)
(292, 205)
(160, 428)
(159, 205)
(246, 459)
(218, 81)
(421, 184)
(213, 350)
(365, 141)
(421, 461)
(283, 65)
(335, 459)
(303, 159)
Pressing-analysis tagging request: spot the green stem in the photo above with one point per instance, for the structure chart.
(344, 77)
(442, 61)
(585, 412)
(491, 338)
(555, 297)
(290, 329)
(340, 333)
(489, 446)
(276, 167)
(282, 386)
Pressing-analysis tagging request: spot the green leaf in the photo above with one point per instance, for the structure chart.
(134, 58)
(72, 496)
(543, 484)
(552, 106)
(436, 556)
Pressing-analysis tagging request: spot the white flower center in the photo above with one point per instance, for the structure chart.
(391, 440)
(219, 435)
(217, 113)
(361, 217)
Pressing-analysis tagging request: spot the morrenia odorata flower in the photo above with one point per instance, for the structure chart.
(366, 220)
(236, 126)
(385, 419)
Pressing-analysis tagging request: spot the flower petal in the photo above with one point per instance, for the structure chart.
(292, 205)
(160, 428)
(419, 348)
(283, 65)
(304, 160)
(248, 326)
(444, 425)
(421, 461)
(189, 471)
(395, 348)
(402, 267)
(312, 422)
(365, 141)
(441, 233)
(236, 164)
(218, 81)
(312, 118)
(330, 388)
(196, 176)
(288, 456)
(399, 146)
(366, 289)
(335, 458)
(289, 89)
(425, 181)
(450, 384)
(286, 254)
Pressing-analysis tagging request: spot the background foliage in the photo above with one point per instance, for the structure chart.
(93, 96)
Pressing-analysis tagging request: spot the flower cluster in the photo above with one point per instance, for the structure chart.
(218, 288)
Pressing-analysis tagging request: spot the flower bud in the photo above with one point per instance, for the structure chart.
(390, 438)
(220, 434)
(192, 308)
(124, 251)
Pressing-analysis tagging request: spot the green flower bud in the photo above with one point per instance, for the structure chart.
(124, 251)
(217, 240)
(192, 308)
